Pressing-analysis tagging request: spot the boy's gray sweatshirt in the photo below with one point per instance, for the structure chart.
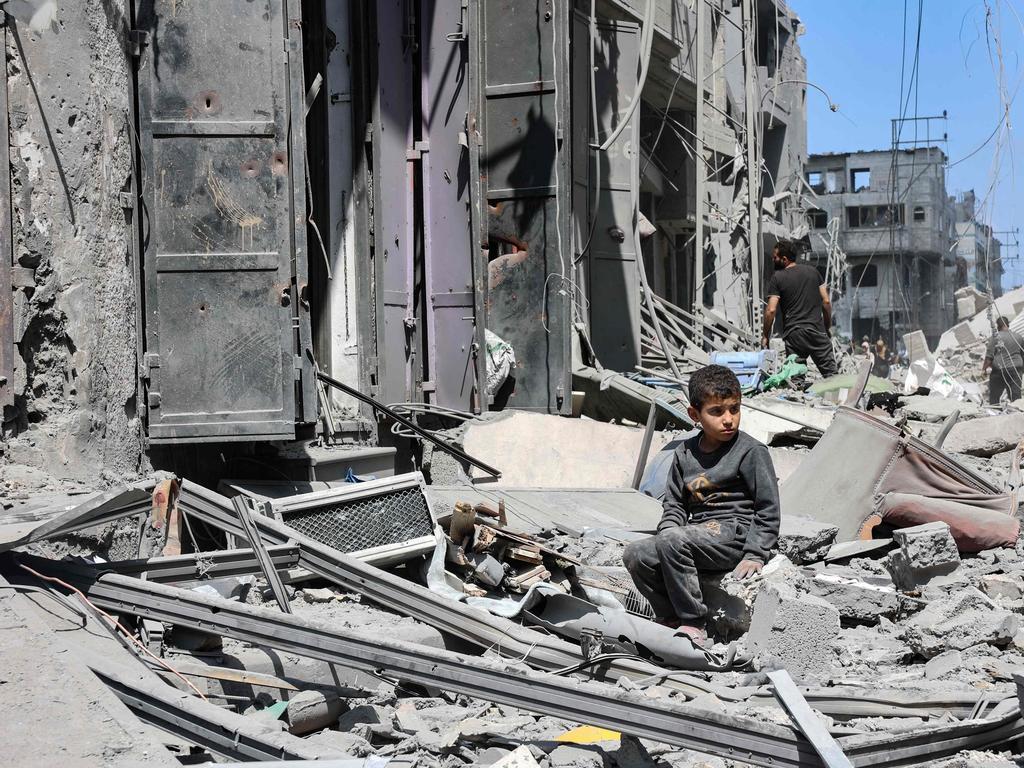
(735, 482)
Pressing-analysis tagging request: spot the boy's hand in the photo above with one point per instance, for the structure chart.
(747, 568)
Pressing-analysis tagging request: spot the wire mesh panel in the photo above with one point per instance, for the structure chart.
(356, 524)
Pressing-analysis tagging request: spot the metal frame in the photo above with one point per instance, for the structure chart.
(279, 509)
(203, 565)
(276, 146)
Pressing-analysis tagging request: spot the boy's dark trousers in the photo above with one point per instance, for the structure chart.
(666, 567)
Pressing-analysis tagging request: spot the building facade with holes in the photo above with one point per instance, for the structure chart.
(209, 204)
(895, 224)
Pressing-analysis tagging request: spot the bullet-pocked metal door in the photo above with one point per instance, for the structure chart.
(223, 219)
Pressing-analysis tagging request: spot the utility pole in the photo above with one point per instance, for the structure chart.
(700, 29)
(753, 166)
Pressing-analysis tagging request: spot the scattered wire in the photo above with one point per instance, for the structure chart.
(114, 622)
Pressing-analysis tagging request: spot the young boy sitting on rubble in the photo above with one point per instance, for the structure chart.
(721, 508)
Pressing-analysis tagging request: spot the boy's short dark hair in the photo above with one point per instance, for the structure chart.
(712, 382)
(787, 249)
(1002, 324)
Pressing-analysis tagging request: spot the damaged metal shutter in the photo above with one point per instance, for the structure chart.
(519, 70)
(224, 261)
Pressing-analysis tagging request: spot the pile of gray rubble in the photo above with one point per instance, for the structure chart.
(449, 619)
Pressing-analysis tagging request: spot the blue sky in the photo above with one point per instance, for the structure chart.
(853, 50)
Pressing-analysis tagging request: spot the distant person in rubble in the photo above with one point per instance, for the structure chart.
(881, 362)
(1005, 359)
(798, 291)
(720, 513)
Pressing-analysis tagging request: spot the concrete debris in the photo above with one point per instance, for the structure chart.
(804, 540)
(310, 711)
(958, 622)
(986, 436)
(857, 600)
(925, 552)
(795, 631)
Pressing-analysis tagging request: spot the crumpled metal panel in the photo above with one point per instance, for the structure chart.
(224, 220)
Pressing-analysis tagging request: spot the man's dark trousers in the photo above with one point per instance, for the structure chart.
(1003, 380)
(666, 568)
(813, 343)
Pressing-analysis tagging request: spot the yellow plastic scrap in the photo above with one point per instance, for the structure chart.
(588, 734)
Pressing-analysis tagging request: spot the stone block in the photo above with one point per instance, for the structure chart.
(794, 631)
(855, 599)
(958, 622)
(925, 552)
(804, 540)
(347, 743)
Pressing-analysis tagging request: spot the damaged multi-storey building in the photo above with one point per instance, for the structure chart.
(383, 192)
(889, 213)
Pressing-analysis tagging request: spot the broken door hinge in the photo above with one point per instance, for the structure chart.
(137, 40)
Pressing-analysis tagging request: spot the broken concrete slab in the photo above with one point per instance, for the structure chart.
(856, 600)
(805, 540)
(986, 436)
(936, 409)
(925, 552)
(793, 630)
(368, 719)
(960, 622)
(561, 451)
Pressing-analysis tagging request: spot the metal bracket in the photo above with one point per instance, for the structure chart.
(127, 200)
(416, 153)
(150, 361)
(460, 34)
(137, 40)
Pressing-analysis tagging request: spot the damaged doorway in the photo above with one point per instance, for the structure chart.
(226, 314)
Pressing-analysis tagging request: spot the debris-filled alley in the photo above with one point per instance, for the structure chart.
(473, 383)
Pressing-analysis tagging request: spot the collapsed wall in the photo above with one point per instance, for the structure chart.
(70, 102)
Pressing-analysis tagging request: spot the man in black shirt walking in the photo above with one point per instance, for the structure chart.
(805, 306)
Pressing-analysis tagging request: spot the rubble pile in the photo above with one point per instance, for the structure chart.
(492, 623)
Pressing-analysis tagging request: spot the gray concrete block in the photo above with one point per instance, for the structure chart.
(943, 664)
(855, 599)
(793, 630)
(804, 540)
(925, 552)
(347, 743)
(730, 601)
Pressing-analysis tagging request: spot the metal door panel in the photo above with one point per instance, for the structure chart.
(521, 97)
(448, 247)
(224, 237)
(393, 200)
(613, 285)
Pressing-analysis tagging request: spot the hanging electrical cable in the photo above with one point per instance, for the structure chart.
(646, 42)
